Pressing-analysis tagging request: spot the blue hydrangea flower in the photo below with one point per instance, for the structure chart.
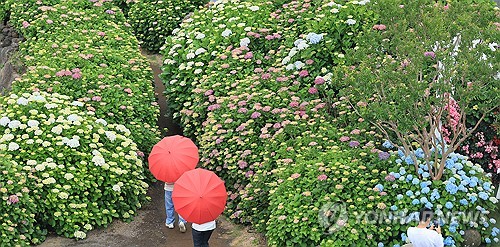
(450, 164)
(462, 232)
(415, 202)
(452, 229)
(399, 197)
(387, 144)
(487, 186)
(380, 244)
(314, 38)
(428, 205)
(449, 241)
(409, 177)
(402, 171)
(396, 245)
(394, 207)
(409, 193)
(462, 188)
(398, 161)
(448, 205)
(379, 187)
(409, 160)
(403, 237)
(435, 195)
(464, 202)
(420, 170)
(459, 166)
(426, 190)
(415, 181)
(424, 200)
(425, 175)
(483, 195)
(401, 153)
(419, 153)
(487, 240)
(396, 175)
(472, 199)
(451, 188)
(485, 224)
(425, 184)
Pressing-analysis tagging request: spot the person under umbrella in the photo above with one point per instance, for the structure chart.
(169, 159)
(200, 197)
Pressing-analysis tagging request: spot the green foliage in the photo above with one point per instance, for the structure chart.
(154, 20)
(81, 172)
(17, 222)
(112, 77)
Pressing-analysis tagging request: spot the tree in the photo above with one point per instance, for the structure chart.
(418, 78)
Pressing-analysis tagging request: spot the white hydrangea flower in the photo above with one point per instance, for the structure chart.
(98, 160)
(22, 101)
(57, 129)
(63, 195)
(110, 135)
(190, 55)
(200, 36)
(14, 124)
(199, 51)
(116, 188)
(226, 33)
(40, 167)
(77, 103)
(50, 106)
(68, 176)
(290, 66)
(33, 123)
(493, 46)
(350, 21)
(122, 128)
(299, 65)
(8, 137)
(73, 118)
(4, 121)
(254, 8)
(244, 42)
(101, 121)
(13, 146)
(285, 60)
(73, 143)
(80, 235)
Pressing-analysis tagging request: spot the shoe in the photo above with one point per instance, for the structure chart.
(182, 227)
(170, 226)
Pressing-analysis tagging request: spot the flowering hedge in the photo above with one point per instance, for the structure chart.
(154, 20)
(17, 224)
(85, 50)
(252, 82)
(80, 171)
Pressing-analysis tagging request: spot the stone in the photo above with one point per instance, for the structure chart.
(472, 238)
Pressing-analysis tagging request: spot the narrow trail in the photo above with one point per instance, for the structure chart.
(148, 227)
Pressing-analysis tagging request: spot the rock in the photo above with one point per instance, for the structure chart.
(6, 77)
(472, 238)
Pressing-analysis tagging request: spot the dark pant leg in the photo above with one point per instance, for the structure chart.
(200, 239)
(197, 238)
(206, 237)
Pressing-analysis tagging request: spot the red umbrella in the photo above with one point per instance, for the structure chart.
(199, 196)
(171, 157)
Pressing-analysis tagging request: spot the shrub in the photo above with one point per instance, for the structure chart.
(81, 171)
(81, 50)
(17, 224)
(154, 20)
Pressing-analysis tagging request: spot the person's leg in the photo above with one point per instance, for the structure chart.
(206, 237)
(169, 208)
(197, 238)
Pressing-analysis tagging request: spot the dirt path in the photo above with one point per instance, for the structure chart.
(148, 227)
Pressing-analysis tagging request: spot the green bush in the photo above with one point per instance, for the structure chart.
(81, 171)
(154, 20)
(17, 224)
(84, 52)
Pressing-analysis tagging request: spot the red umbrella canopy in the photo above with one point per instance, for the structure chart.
(171, 157)
(199, 196)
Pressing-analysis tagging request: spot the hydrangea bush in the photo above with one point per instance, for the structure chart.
(83, 49)
(18, 225)
(154, 20)
(80, 171)
(261, 99)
